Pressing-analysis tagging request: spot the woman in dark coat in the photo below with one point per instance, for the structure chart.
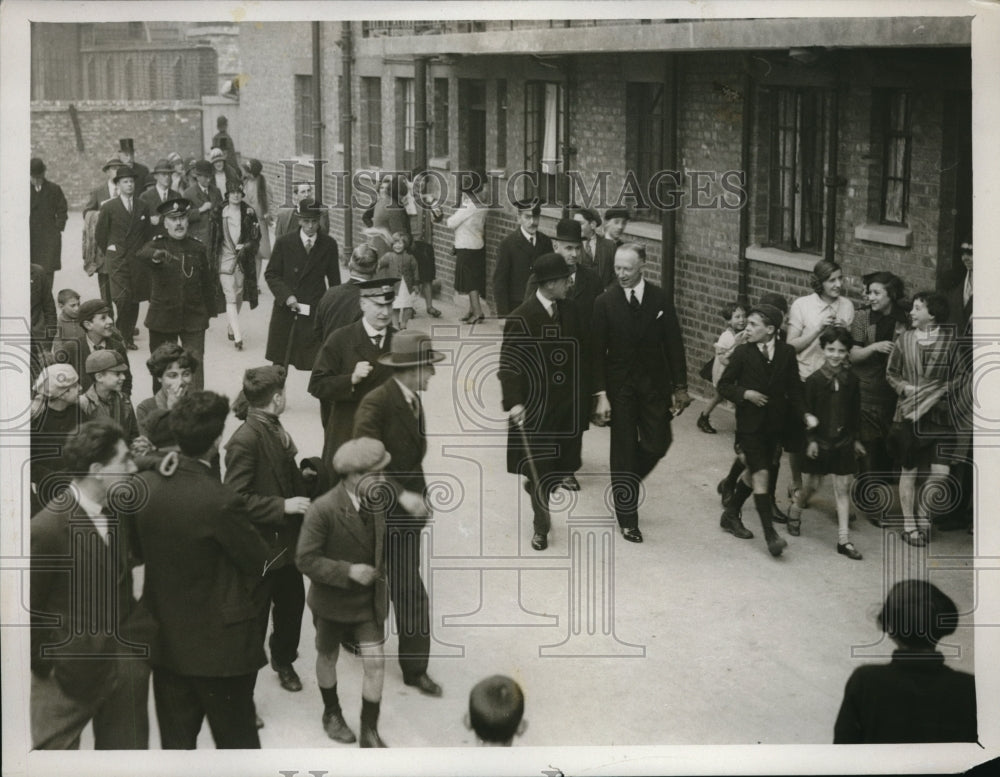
(237, 237)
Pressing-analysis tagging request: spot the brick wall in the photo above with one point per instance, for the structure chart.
(157, 127)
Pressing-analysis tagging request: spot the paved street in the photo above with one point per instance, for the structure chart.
(693, 637)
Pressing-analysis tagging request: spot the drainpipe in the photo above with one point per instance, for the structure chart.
(743, 290)
(668, 218)
(420, 114)
(317, 97)
(346, 125)
(833, 180)
(568, 150)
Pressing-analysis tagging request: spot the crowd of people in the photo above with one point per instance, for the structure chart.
(226, 534)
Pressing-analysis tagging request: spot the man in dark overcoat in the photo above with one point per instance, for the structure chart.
(204, 567)
(515, 256)
(122, 229)
(206, 200)
(393, 414)
(303, 264)
(341, 305)
(183, 286)
(94, 259)
(47, 220)
(543, 389)
(347, 365)
(88, 662)
(639, 379)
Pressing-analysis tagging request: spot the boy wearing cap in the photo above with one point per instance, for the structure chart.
(54, 417)
(303, 265)
(347, 366)
(122, 229)
(615, 221)
(341, 550)
(393, 414)
(516, 255)
(104, 398)
(762, 380)
(47, 220)
(99, 334)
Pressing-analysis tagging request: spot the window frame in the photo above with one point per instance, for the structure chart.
(890, 136)
(371, 97)
(553, 188)
(644, 125)
(406, 124)
(305, 141)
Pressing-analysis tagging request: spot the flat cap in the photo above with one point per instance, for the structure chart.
(363, 454)
(105, 359)
(91, 308)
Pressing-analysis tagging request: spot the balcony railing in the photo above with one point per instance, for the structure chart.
(378, 29)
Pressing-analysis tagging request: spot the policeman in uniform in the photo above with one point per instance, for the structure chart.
(183, 286)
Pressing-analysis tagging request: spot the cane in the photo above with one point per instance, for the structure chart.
(527, 451)
(291, 339)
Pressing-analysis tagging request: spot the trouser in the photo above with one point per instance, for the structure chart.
(193, 341)
(409, 596)
(286, 600)
(126, 316)
(183, 702)
(640, 437)
(104, 285)
(118, 712)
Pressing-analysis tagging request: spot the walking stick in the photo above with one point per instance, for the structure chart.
(291, 339)
(531, 461)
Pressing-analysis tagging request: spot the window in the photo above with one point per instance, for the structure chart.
(440, 117)
(502, 124)
(406, 124)
(644, 139)
(153, 76)
(797, 149)
(371, 96)
(543, 125)
(895, 158)
(304, 145)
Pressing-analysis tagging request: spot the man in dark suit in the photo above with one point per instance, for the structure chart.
(543, 392)
(393, 414)
(158, 194)
(303, 265)
(88, 662)
(204, 568)
(287, 220)
(46, 220)
(639, 378)
(515, 256)
(122, 229)
(260, 465)
(341, 305)
(342, 551)
(99, 333)
(93, 258)
(206, 199)
(597, 253)
(762, 380)
(126, 155)
(347, 366)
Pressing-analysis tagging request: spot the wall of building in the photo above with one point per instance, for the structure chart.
(75, 151)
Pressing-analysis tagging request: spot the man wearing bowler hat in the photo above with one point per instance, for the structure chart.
(205, 198)
(126, 155)
(347, 366)
(183, 286)
(303, 264)
(393, 414)
(46, 220)
(543, 388)
(122, 229)
(515, 256)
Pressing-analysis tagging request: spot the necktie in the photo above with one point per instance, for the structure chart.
(128, 204)
(765, 351)
(531, 240)
(377, 341)
(572, 283)
(634, 303)
(309, 244)
(554, 312)
(415, 406)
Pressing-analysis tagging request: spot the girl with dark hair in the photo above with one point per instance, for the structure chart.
(875, 330)
(173, 369)
(915, 698)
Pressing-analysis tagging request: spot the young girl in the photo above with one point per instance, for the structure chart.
(833, 420)
(401, 265)
(734, 334)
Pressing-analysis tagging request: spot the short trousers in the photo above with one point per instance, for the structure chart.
(329, 633)
(761, 451)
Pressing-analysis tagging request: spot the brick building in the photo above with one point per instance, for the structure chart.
(791, 139)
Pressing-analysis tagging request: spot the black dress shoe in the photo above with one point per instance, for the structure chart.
(370, 737)
(632, 535)
(539, 541)
(424, 684)
(776, 513)
(570, 483)
(288, 677)
(705, 425)
(337, 729)
(733, 525)
(848, 549)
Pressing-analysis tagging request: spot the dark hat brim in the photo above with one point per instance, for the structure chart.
(402, 360)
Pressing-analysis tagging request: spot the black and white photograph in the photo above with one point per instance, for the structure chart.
(605, 381)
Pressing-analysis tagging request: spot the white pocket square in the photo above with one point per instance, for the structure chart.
(659, 315)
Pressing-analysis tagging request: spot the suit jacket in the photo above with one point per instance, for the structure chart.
(120, 235)
(98, 196)
(204, 561)
(293, 272)
(83, 613)
(331, 379)
(628, 349)
(748, 369)
(585, 290)
(541, 367)
(515, 258)
(203, 224)
(76, 350)
(334, 536)
(604, 260)
(287, 222)
(264, 472)
(385, 415)
(152, 199)
(183, 285)
(47, 221)
(339, 306)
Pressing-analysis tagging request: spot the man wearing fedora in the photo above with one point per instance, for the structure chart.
(287, 220)
(126, 155)
(93, 258)
(347, 366)
(205, 199)
(639, 379)
(543, 388)
(123, 227)
(393, 414)
(515, 256)
(159, 193)
(341, 549)
(46, 220)
(183, 286)
(303, 264)
(597, 253)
